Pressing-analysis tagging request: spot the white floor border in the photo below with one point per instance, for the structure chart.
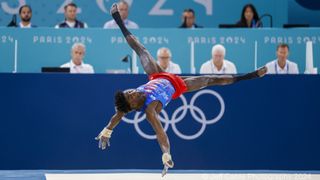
(183, 176)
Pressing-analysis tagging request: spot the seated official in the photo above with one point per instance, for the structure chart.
(76, 64)
(164, 60)
(249, 17)
(282, 65)
(124, 13)
(25, 13)
(189, 19)
(70, 12)
(218, 65)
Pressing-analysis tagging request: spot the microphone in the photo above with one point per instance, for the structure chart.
(13, 22)
(127, 59)
(263, 16)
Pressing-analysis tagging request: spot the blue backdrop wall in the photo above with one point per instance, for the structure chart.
(304, 12)
(165, 13)
(50, 121)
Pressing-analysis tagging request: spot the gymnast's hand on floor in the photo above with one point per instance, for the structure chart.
(104, 142)
(104, 138)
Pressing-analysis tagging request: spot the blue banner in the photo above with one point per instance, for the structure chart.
(247, 48)
(49, 121)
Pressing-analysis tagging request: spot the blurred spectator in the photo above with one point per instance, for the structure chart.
(189, 19)
(282, 65)
(25, 13)
(218, 65)
(70, 13)
(123, 7)
(249, 17)
(76, 64)
(164, 60)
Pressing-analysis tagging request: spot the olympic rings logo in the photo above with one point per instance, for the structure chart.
(197, 114)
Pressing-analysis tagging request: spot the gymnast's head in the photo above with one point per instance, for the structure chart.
(129, 100)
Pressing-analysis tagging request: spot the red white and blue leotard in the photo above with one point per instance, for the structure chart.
(162, 87)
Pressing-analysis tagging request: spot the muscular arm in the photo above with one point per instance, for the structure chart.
(116, 118)
(105, 134)
(152, 113)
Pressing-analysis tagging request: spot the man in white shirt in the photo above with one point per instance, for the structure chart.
(123, 7)
(218, 65)
(164, 60)
(76, 64)
(70, 13)
(282, 65)
(25, 13)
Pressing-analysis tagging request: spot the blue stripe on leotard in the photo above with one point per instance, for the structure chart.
(157, 90)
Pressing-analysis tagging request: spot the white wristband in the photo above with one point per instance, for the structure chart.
(105, 133)
(166, 157)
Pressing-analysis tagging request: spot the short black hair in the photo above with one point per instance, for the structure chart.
(121, 102)
(283, 45)
(190, 10)
(24, 6)
(70, 4)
